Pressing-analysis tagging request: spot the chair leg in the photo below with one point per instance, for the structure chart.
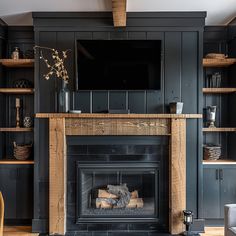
(1, 214)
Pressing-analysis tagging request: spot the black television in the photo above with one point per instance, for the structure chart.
(118, 64)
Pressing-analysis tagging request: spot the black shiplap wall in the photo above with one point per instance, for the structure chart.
(182, 42)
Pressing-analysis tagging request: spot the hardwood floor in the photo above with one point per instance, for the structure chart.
(18, 231)
(213, 231)
(26, 231)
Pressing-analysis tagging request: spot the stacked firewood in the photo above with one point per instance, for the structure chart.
(111, 199)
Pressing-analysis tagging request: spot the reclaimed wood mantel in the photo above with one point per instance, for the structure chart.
(61, 125)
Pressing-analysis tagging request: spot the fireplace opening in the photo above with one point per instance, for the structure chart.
(118, 191)
(135, 166)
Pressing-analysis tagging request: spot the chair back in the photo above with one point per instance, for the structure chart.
(1, 214)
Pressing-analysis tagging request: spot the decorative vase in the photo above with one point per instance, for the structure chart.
(64, 98)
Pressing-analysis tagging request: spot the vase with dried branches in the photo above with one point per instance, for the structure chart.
(57, 69)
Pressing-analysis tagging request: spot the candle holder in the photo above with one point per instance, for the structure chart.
(211, 116)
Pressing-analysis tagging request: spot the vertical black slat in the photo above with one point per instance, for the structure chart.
(81, 101)
(44, 200)
(47, 88)
(155, 102)
(137, 35)
(227, 187)
(100, 101)
(117, 100)
(8, 176)
(211, 194)
(172, 67)
(101, 35)
(24, 187)
(66, 40)
(189, 88)
(83, 35)
(137, 101)
(118, 35)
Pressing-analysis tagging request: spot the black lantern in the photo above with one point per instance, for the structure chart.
(188, 220)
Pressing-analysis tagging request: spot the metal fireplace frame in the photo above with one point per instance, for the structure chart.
(137, 166)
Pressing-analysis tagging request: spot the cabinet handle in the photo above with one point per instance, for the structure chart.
(221, 174)
(217, 174)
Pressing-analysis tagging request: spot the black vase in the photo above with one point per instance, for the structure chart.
(63, 98)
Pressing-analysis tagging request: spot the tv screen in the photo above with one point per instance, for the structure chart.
(118, 64)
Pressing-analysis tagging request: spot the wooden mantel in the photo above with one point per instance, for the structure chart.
(61, 125)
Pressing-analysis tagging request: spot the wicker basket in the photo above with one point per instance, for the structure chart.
(22, 152)
(212, 152)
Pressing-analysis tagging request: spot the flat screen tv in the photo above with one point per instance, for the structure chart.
(118, 64)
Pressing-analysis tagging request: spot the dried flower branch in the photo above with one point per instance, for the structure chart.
(57, 68)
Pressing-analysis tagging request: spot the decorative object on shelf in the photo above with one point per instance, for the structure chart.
(212, 152)
(17, 112)
(216, 56)
(214, 80)
(57, 68)
(27, 122)
(63, 98)
(211, 116)
(188, 221)
(15, 55)
(22, 83)
(22, 152)
(176, 107)
(75, 111)
(29, 54)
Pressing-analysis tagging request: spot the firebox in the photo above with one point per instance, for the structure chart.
(108, 192)
(117, 182)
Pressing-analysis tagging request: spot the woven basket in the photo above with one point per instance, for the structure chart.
(212, 152)
(22, 152)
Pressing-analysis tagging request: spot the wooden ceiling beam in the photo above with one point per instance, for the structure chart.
(119, 13)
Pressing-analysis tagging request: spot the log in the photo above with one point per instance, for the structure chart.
(102, 193)
(134, 203)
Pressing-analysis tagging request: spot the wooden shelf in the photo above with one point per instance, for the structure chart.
(219, 90)
(219, 129)
(209, 62)
(17, 63)
(15, 129)
(15, 162)
(219, 162)
(117, 116)
(17, 90)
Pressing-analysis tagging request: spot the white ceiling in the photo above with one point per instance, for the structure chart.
(18, 12)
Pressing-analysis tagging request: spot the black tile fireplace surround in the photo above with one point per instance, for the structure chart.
(141, 162)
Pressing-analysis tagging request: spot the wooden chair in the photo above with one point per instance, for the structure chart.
(1, 214)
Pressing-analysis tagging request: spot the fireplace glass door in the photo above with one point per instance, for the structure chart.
(117, 191)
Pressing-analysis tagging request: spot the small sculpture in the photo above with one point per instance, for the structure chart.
(18, 112)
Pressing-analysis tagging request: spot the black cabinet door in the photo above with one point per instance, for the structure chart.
(8, 179)
(24, 193)
(211, 193)
(227, 187)
(16, 185)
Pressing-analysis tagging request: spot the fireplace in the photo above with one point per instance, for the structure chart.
(140, 182)
(62, 184)
(138, 163)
